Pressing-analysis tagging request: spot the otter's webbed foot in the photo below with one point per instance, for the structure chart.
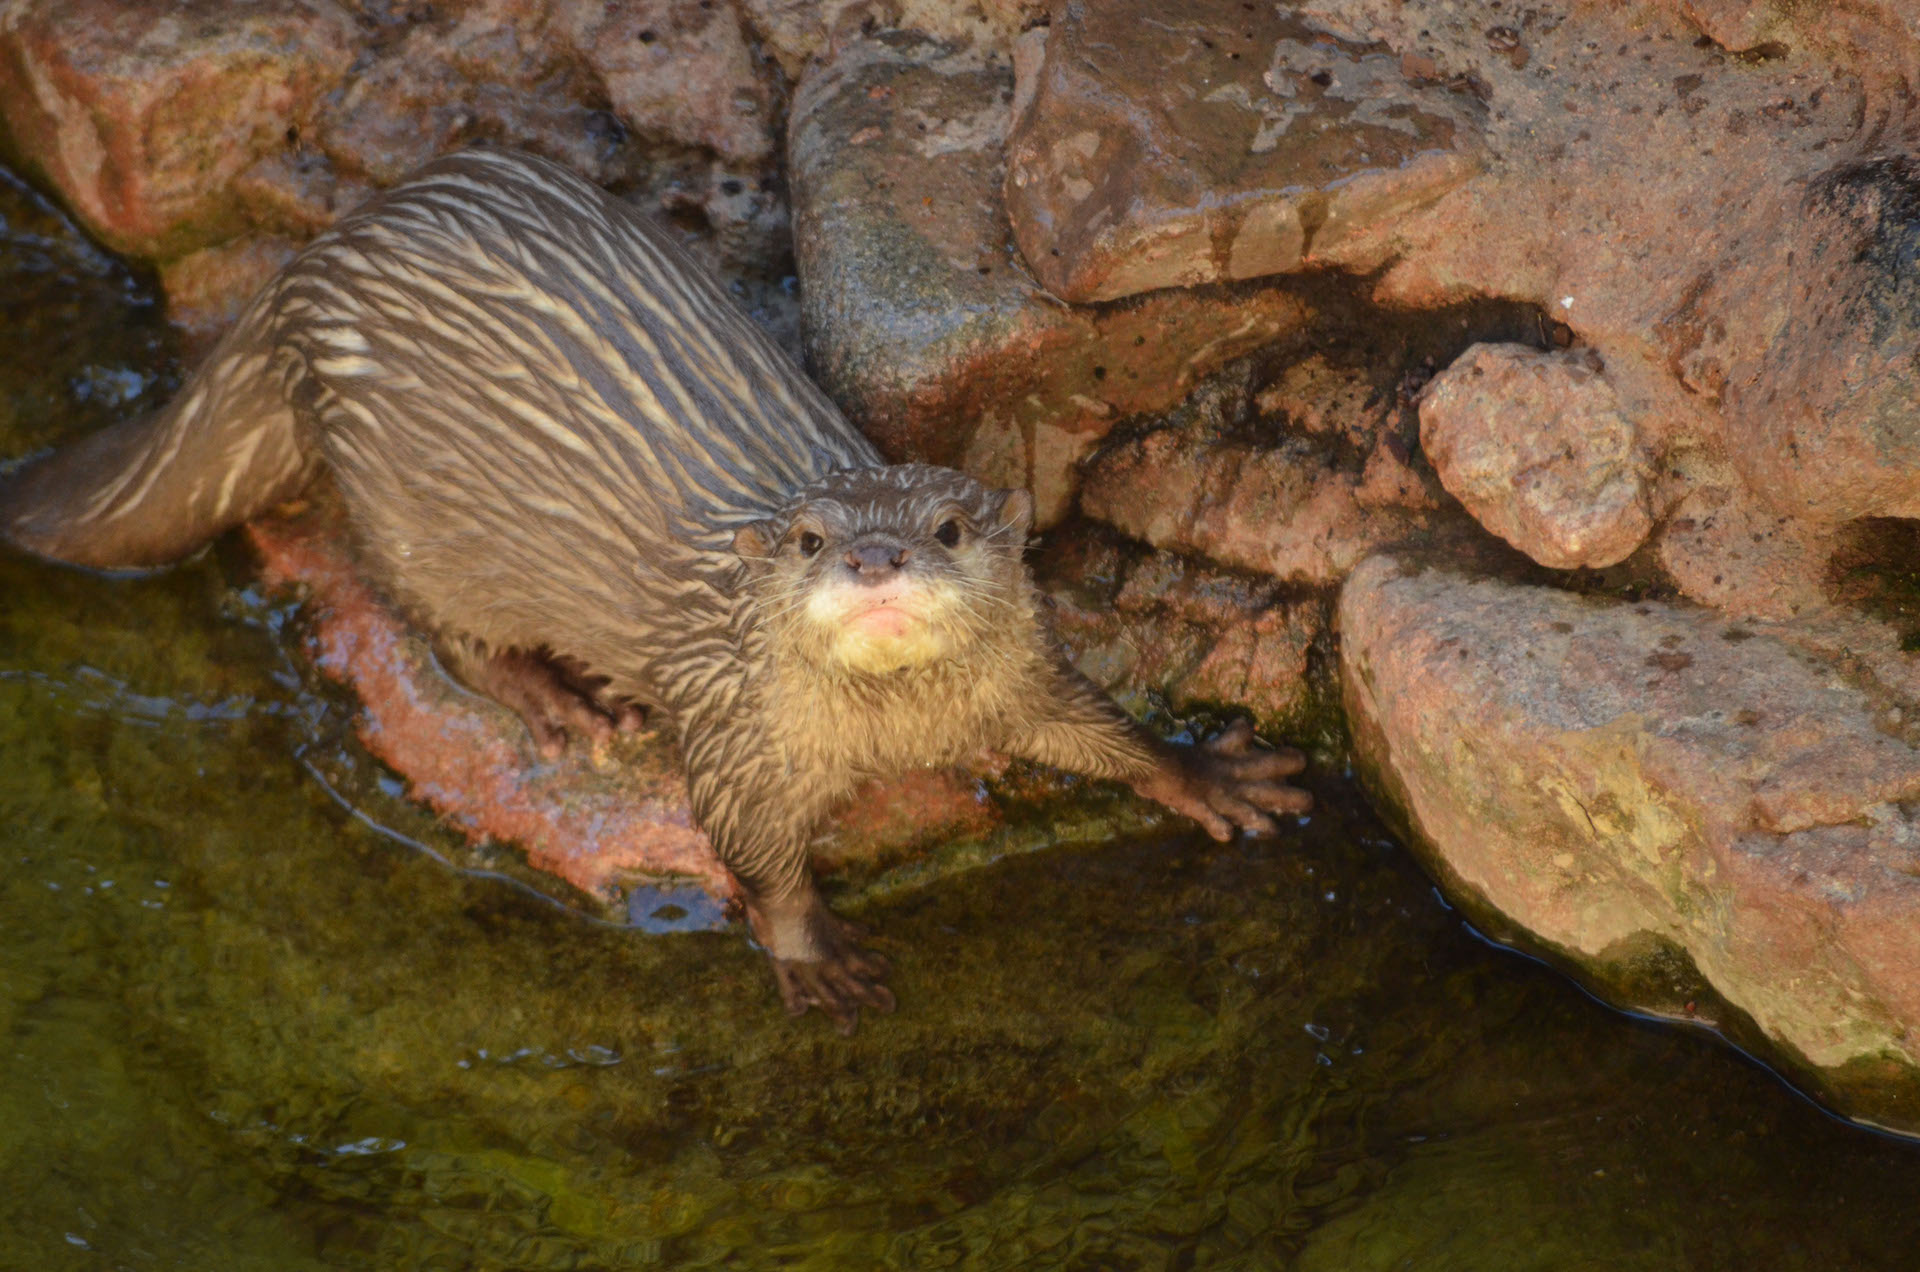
(817, 961)
(553, 696)
(1228, 782)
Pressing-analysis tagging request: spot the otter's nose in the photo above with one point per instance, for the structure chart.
(876, 560)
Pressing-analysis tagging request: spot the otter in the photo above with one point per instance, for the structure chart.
(595, 484)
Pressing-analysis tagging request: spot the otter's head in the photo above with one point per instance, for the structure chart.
(884, 569)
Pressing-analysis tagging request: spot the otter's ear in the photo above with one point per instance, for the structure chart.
(1015, 512)
(757, 539)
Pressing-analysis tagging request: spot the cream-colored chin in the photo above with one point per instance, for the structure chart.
(863, 650)
(878, 633)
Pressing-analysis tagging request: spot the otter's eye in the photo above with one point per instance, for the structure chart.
(811, 543)
(948, 533)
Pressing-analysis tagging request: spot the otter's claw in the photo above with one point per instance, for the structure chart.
(1229, 783)
(817, 962)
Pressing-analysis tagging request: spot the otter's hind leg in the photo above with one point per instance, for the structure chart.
(554, 695)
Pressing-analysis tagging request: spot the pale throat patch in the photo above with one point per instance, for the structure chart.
(885, 628)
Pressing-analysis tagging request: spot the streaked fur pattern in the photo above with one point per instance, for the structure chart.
(557, 437)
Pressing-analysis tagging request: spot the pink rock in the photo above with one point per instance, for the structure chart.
(1735, 25)
(1826, 428)
(143, 115)
(679, 70)
(431, 79)
(174, 129)
(1721, 231)
(1535, 446)
(1731, 236)
(207, 289)
(1281, 504)
(799, 32)
(1227, 141)
(1724, 549)
(1621, 780)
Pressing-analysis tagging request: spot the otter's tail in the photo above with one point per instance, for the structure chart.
(149, 490)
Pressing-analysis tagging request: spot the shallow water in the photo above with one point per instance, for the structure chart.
(241, 1027)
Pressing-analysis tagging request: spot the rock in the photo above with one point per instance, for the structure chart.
(919, 317)
(678, 70)
(1731, 235)
(599, 822)
(1258, 495)
(1888, 29)
(797, 32)
(1696, 199)
(1231, 142)
(297, 193)
(1827, 428)
(1735, 25)
(1644, 786)
(179, 129)
(430, 80)
(142, 116)
(1143, 623)
(1722, 548)
(1535, 446)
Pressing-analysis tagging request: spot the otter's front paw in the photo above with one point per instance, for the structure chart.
(1229, 782)
(818, 962)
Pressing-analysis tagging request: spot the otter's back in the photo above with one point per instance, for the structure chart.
(537, 407)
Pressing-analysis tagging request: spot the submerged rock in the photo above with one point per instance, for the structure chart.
(1535, 446)
(1681, 809)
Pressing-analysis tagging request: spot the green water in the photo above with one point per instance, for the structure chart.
(240, 1027)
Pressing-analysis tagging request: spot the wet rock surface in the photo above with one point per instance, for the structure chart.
(1633, 784)
(921, 319)
(1535, 446)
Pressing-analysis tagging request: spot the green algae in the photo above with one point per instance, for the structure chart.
(245, 1027)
